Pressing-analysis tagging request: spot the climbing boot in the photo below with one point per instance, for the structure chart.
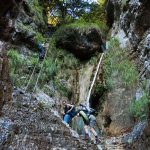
(86, 137)
(97, 140)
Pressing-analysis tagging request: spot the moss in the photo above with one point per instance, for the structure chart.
(81, 26)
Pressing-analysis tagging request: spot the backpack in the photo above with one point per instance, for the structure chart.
(41, 51)
(88, 111)
(84, 115)
(91, 111)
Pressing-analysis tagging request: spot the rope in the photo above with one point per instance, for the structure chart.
(40, 72)
(29, 74)
(38, 77)
(26, 79)
(30, 78)
(88, 97)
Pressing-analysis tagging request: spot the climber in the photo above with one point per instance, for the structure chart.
(85, 118)
(89, 121)
(92, 119)
(69, 112)
(41, 48)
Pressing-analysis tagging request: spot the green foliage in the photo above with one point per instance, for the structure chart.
(81, 25)
(97, 13)
(15, 59)
(71, 9)
(37, 10)
(49, 68)
(32, 61)
(63, 59)
(16, 62)
(118, 65)
(70, 61)
(70, 30)
(139, 109)
(63, 90)
(100, 89)
(128, 72)
(39, 38)
(93, 60)
(20, 67)
(26, 29)
(113, 43)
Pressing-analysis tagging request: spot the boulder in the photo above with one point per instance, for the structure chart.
(83, 44)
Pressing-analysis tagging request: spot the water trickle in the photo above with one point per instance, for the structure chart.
(92, 84)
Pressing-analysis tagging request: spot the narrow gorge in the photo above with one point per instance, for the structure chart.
(97, 53)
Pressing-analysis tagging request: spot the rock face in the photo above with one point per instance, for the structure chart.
(8, 12)
(14, 20)
(31, 125)
(130, 24)
(20, 21)
(116, 117)
(81, 43)
(132, 28)
(29, 122)
(5, 82)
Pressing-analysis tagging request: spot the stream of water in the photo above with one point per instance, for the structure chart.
(94, 79)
